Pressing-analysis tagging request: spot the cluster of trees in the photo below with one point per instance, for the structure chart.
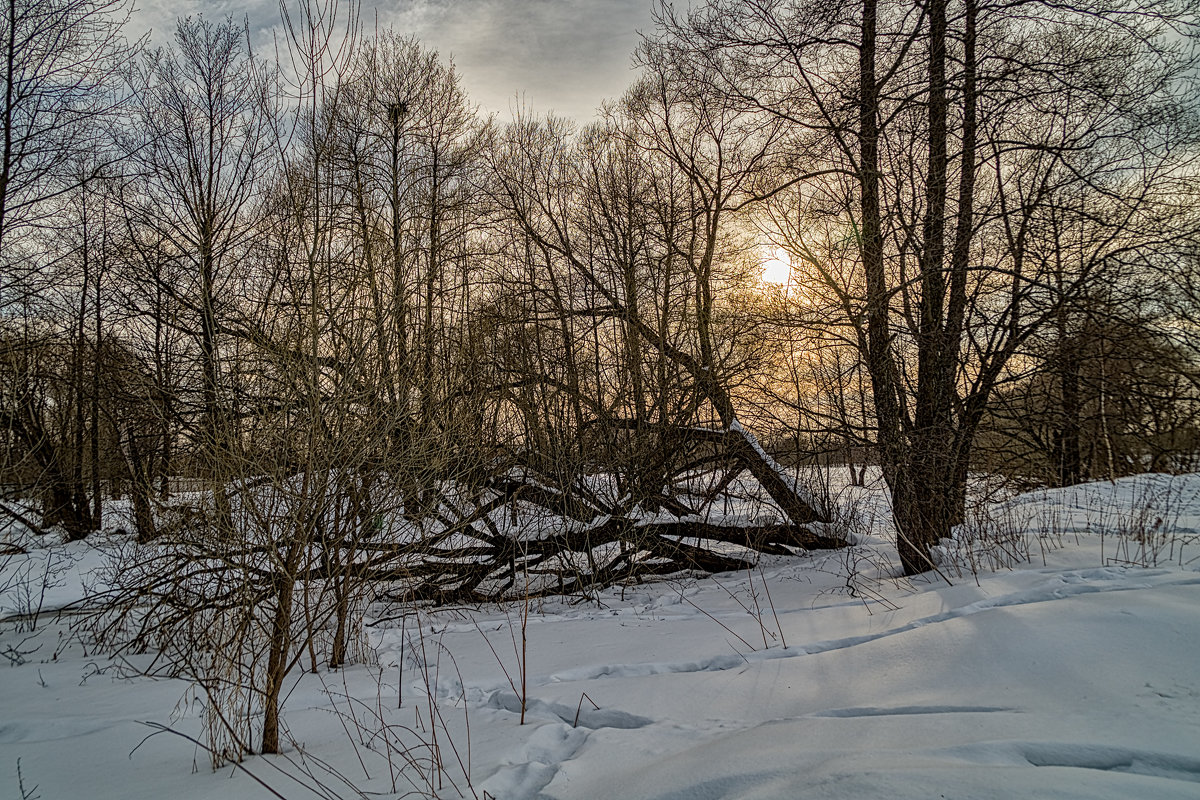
(382, 340)
(248, 269)
(218, 267)
(998, 172)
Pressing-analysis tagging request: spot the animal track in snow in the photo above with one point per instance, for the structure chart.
(588, 718)
(1058, 586)
(900, 711)
(546, 749)
(1082, 756)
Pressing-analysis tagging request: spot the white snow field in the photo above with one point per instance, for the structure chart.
(1073, 674)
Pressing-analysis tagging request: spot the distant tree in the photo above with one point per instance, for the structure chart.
(408, 153)
(1104, 396)
(60, 65)
(198, 143)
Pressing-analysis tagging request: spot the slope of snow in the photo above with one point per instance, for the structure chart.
(1075, 674)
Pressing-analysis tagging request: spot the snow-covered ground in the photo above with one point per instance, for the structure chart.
(1075, 673)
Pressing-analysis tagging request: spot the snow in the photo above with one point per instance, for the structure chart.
(1072, 671)
(808, 497)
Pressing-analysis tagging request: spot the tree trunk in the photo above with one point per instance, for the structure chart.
(277, 662)
(61, 505)
(924, 497)
(140, 489)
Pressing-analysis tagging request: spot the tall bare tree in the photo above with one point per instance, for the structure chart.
(967, 125)
(59, 74)
(198, 145)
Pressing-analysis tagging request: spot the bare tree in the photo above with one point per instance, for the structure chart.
(967, 126)
(60, 81)
(62, 62)
(198, 144)
(702, 160)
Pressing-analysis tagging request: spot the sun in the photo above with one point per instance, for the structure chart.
(776, 266)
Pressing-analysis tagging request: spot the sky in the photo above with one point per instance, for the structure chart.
(565, 56)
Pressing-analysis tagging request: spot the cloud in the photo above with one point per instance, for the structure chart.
(159, 16)
(562, 55)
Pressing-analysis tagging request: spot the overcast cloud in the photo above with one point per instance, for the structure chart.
(565, 56)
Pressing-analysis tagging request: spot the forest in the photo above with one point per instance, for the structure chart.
(334, 336)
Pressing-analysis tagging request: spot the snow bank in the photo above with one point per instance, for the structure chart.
(1072, 675)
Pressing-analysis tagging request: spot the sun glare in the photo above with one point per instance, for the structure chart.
(776, 266)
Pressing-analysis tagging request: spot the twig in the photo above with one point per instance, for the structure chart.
(771, 601)
(579, 708)
(722, 624)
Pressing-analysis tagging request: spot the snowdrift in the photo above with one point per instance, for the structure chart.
(1054, 655)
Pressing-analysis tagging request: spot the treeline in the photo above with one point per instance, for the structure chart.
(334, 277)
